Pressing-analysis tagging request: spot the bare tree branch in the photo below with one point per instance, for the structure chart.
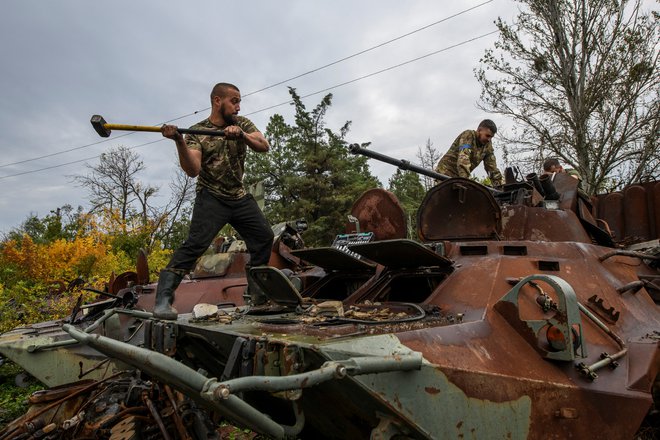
(580, 80)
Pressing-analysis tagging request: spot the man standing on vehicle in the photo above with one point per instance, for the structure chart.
(218, 162)
(470, 148)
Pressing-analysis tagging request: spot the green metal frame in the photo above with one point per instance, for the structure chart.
(568, 310)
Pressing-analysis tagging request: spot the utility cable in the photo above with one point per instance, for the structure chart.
(372, 48)
(75, 161)
(376, 73)
(267, 87)
(290, 101)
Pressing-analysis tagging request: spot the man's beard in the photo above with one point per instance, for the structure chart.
(231, 119)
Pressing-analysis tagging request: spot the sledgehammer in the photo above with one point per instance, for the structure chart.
(104, 129)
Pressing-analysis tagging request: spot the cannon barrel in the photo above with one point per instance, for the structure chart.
(403, 164)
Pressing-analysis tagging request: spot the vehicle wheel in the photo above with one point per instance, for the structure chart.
(23, 380)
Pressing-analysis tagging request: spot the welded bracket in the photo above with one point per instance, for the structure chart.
(566, 318)
(161, 336)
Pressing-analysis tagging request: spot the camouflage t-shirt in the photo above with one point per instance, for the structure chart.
(465, 154)
(223, 161)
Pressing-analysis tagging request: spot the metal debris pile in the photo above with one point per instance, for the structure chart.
(117, 408)
(335, 310)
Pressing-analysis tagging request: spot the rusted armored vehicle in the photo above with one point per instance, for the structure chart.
(517, 314)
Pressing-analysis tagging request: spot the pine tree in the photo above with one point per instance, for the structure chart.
(309, 173)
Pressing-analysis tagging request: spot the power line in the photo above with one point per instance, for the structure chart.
(444, 49)
(63, 151)
(75, 161)
(372, 48)
(362, 52)
(377, 72)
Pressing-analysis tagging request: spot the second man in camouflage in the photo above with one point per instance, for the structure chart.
(470, 148)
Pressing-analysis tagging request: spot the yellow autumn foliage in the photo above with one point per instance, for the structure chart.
(32, 275)
(62, 260)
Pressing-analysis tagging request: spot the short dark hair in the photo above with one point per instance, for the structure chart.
(489, 124)
(220, 89)
(549, 163)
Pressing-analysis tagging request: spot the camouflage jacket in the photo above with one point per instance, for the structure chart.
(223, 161)
(465, 154)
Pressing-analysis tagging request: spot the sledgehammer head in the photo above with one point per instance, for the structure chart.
(99, 125)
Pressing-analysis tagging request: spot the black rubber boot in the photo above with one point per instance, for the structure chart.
(167, 284)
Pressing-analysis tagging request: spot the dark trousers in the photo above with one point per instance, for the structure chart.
(210, 214)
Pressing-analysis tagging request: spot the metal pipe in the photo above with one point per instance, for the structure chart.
(624, 253)
(329, 370)
(400, 163)
(135, 313)
(180, 376)
(548, 188)
(533, 178)
(633, 285)
(383, 364)
(606, 359)
(175, 414)
(293, 430)
(106, 314)
(602, 325)
(220, 394)
(155, 415)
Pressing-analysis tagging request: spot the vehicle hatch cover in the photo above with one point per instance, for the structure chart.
(332, 259)
(276, 286)
(400, 254)
(458, 209)
(379, 211)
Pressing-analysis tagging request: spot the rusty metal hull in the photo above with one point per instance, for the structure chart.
(514, 319)
(481, 377)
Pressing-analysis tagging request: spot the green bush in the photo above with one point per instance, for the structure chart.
(13, 399)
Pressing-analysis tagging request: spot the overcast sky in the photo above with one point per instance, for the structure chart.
(147, 62)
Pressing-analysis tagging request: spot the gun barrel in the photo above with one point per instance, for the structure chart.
(403, 164)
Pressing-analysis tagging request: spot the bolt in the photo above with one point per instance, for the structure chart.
(222, 392)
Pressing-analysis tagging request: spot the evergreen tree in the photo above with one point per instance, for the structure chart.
(309, 172)
(407, 187)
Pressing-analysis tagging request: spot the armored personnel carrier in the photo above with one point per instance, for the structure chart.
(517, 314)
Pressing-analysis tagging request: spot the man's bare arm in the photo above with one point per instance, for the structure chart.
(254, 140)
(190, 160)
